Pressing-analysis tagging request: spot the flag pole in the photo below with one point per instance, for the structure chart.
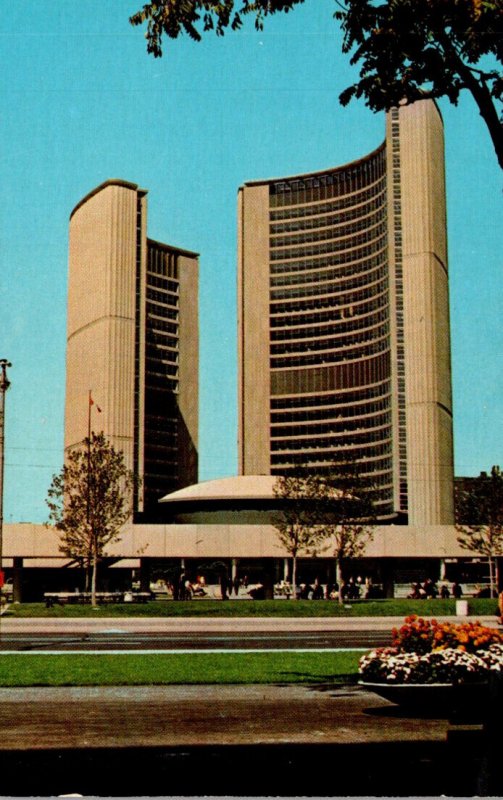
(90, 402)
(88, 498)
(4, 385)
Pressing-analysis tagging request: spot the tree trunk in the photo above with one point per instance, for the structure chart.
(93, 577)
(338, 578)
(294, 577)
(491, 577)
(87, 583)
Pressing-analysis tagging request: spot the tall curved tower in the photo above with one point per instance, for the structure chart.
(344, 321)
(132, 347)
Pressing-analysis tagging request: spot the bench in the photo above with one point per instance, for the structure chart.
(62, 598)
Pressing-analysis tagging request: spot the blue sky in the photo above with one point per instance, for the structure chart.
(82, 102)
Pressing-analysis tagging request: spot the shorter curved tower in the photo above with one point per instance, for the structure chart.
(132, 347)
(344, 321)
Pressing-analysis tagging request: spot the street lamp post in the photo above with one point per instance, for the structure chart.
(4, 385)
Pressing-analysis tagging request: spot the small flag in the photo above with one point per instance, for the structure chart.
(92, 403)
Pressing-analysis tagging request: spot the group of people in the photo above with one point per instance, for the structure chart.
(430, 589)
(228, 586)
(351, 589)
(183, 588)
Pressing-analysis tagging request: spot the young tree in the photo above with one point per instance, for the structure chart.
(90, 500)
(346, 508)
(407, 49)
(296, 521)
(479, 518)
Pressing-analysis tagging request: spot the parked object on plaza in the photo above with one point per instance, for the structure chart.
(257, 592)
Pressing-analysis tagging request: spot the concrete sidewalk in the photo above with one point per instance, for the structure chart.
(227, 740)
(172, 716)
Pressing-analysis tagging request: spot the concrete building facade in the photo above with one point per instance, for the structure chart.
(132, 346)
(343, 314)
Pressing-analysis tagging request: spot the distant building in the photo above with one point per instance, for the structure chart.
(132, 350)
(344, 344)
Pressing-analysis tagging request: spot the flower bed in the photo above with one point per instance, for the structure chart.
(428, 652)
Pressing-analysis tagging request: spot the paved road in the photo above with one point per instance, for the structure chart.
(197, 641)
(196, 633)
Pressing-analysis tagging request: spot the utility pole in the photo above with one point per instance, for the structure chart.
(4, 385)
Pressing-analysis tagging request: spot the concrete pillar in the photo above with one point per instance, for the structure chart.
(234, 569)
(442, 569)
(144, 575)
(387, 577)
(286, 569)
(268, 578)
(17, 580)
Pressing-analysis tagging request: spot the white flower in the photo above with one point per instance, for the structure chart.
(440, 666)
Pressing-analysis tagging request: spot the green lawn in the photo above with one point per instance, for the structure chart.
(103, 669)
(258, 608)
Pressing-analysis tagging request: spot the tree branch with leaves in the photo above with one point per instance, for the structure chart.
(90, 500)
(479, 518)
(406, 50)
(296, 521)
(347, 512)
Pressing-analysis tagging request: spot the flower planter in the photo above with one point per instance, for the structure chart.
(430, 697)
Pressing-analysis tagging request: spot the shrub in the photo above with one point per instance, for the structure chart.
(431, 652)
(418, 635)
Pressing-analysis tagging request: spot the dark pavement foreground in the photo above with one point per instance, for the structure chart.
(229, 740)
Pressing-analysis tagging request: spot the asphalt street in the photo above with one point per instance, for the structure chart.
(191, 633)
(124, 641)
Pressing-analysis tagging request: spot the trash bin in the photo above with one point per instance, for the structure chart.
(461, 608)
(128, 597)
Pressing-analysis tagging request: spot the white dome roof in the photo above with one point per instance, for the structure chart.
(238, 486)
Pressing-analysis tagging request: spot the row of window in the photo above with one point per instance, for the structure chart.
(331, 184)
(378, 455)
(162, 296)
(169, 312)
(304, 236)
(345, 375)
(304, 222)
(325, 357)
(367, 322)
(162, 282)
(349, 258)
(328, 400)
(337, 341)
(351, 243)
(355, 199)
(370, 480)
(161, 438)
(342, 290)
(364, 272)
(159, 324)
(325, 413)
(161, 262)
(337, 426)
(324, 310)
(165, 380)
(162, 339)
